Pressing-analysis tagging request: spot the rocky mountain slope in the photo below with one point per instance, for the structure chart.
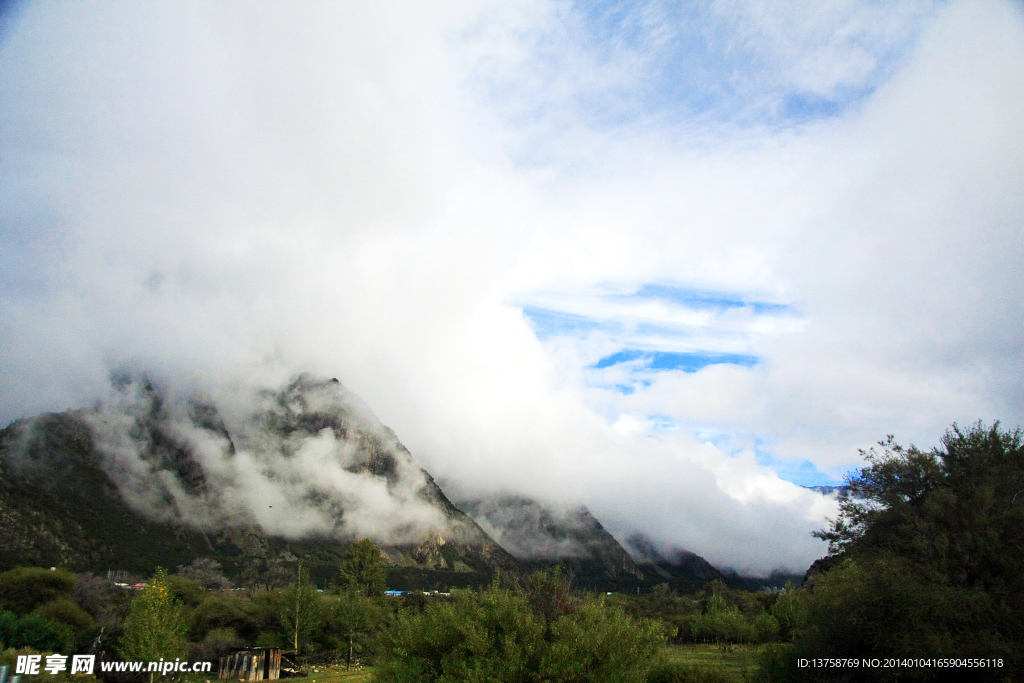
(539, 535)
(259, 479)
(302, 471)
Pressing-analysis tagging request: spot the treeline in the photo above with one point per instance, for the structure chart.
(926, 562)
(532, 629)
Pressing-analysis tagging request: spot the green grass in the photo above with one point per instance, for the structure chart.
(734, 663)
(314, 674)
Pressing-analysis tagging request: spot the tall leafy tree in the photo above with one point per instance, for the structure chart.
(362, 570)
(925, 558)
(352, 616)
(299, 606)
(156, 626)
(955, 512)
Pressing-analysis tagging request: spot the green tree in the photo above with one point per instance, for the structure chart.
(24, 588)
(496, 635)
(299, 606)
(488, 636)
(353, 615)
(362, 569)
(156, 626)
(601, 644)
(547, 591)
(34, 631)
(925, 560)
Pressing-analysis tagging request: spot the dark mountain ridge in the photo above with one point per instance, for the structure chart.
(149, 481)
(540, 536)
(140, 485)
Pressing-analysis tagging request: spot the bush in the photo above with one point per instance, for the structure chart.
(24, 588)
(601, 644)
(494, 635)
(721, 623)
(478, 636)
(675, 672)
(76, 619)
(35, 631)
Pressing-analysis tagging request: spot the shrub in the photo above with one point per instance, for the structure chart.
(600, 644)
(24, 588)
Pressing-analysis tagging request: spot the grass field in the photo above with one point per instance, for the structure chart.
(314, 674)
(736, 663)
(336, 674)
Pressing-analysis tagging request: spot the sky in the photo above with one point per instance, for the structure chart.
(669, 260)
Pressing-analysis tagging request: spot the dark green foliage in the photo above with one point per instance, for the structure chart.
(928, 553)
(352, 617)
(34, 631)
(955, 512)
(300, 609)
(478, 636)
(661, 603)
(188, 591)
(65, 612)
(495, 635)
(601, 644)
(246, 616)
(547, 592)
(419, 579)
(674, 672)
(362, 569)
(24, 588)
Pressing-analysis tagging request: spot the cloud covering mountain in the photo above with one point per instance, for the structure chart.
(660, 261)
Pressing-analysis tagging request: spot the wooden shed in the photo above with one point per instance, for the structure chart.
(257, 664)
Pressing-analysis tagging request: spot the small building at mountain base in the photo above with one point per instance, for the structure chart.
(257, 664)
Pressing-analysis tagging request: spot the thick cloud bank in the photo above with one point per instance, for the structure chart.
(308, 460)
(659, 261)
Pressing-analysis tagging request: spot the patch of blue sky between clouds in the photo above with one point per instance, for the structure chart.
(547, 323)
(691, 298)
(748, 64)
(610, 64)
(800, 472)
(668, 360)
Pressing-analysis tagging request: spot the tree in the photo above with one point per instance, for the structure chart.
(598, 643)
(299, 606)
(925, 558)
(354, 615)
(957, 511)
(24, 588)
(156, 626)
(207, 572)
(362, 569)
(495, 635)
(487, 636)
(547, 591)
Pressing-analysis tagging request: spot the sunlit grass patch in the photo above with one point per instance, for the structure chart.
(729, 663)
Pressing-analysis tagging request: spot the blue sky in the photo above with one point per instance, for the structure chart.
(678, 253)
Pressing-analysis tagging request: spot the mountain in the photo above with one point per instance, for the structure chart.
(683, 571)
(268, 476)
(840, 490)
(543, 535)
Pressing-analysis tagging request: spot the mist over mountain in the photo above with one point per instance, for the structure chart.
(542, 534)
(261, 477)
(307, 467)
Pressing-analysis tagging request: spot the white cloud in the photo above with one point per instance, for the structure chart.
(204, 190)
